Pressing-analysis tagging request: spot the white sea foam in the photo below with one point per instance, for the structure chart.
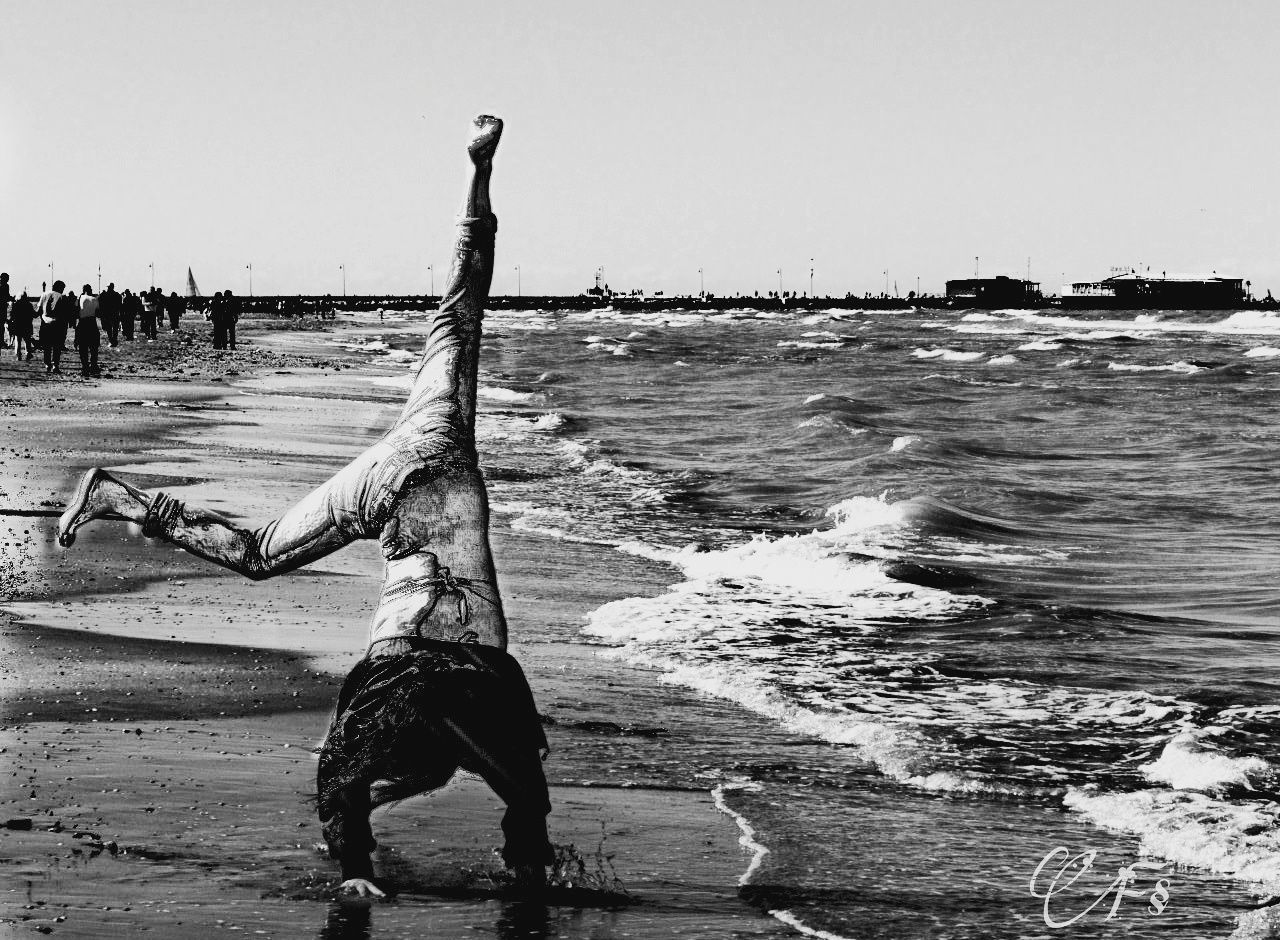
(1185, 368)
(1241, 839)
(1243, 322)
(748, 837)
(1039, 345)
(792, 921)
(806, 344)
(509, 395)
(1187, 763)
(549, 422)
(947, 355)
(902, 443)
(1263, 352)
(1002, 360)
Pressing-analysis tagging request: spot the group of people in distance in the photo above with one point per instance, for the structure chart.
(45, 323)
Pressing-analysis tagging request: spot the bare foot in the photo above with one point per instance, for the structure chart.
(97, 497)
(484, 138)
(366, 889)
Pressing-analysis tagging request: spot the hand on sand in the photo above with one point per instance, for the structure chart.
(366, 889)
(484, 138)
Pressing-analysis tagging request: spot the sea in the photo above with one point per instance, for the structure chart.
(998, 590)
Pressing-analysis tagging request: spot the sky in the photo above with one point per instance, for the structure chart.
(928, 139)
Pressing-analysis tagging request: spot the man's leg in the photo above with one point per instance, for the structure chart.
(451, 354)
(328, 518)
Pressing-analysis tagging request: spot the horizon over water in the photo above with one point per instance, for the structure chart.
(1007, 577)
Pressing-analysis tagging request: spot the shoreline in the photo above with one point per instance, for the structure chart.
(141, 683)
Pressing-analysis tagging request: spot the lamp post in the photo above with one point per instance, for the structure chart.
(432, 271)
(250, 268)
(50, 275)
(779, 283)
(518, 289)
(99, 279)
(152, 266)
(702, 284)
(343, 269)
(810, 277)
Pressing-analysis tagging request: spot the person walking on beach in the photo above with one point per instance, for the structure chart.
(175, 307)
(150, 310)
(5, 298)
(21, 316)
(436, 690)
(53, 328)
(224, 314)
(130, 310)
(109, 310)
(232, 317)
(88, 338)
(217, 318)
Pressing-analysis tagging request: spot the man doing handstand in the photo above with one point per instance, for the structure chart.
(436, 690)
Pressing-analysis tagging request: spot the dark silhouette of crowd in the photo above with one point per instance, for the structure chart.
(44, 324)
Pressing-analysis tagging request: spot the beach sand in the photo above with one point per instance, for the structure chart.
(158, 715)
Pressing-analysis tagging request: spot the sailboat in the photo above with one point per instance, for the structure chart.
(192, 289)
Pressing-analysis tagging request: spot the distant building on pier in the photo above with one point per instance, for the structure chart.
(1132, 291)
(994, 292)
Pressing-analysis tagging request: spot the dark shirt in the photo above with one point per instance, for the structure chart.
(109, 306)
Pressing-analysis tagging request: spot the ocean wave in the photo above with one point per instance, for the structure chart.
(507, 427)
(1091, 336)
(508, 395)
(989, 330)
(1006, 360)
(807, 344)
(651, 318)
(947, 355)
(1240, 839)
(831, 421)
(550, 422)
(1187, 763)
(1242, 322)
(1040, 345)
(613, 347)
(1186, 368)
(1263, 352)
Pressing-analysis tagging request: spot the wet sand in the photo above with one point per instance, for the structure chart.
(157, 715)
